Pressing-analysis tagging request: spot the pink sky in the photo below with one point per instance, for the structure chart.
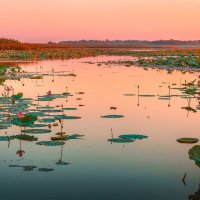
(56, 20)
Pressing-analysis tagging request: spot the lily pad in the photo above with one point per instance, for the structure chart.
(194, 154)
(45, 99)
(25, 137)
(146, 95)
(133, 136)
(187, 140)
(37, 125)
(50, 110)
(74, 136)
(67, 117)
(120, 140)
(6, 138)
(45, 170)
(36, 131)
(61, 137)
(26, 120)
(69, 108)
(4, 126)
(62, 163)
(17, 96)
(129, 94)
(112, 116)
(47, 120)
(50, 143)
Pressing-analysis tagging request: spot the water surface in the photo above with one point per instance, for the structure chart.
(151, 168)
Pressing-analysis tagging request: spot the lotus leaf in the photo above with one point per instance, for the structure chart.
(112, 116)
(36, 131)
(133, 136)
(50, 143)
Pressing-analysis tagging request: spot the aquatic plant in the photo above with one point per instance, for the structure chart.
(188, 140)
(194, 154)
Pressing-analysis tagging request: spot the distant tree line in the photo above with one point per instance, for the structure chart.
(133, 42)
(9, 41)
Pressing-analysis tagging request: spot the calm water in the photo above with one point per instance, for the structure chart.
(151, 168)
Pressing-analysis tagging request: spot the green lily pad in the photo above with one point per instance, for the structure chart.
(60, 137)
(25, 168)
(69, 108)
(47, 120)
(17, 96)
(74, 136)
(194, 154)
(120, 140)
(37, 113)
(45, 99)
(50, 110)
(26, 120)
(29, 168)
(4, 126)
(37, 125)
(133, 136)
(62, 163)
(50, 143)
(36, 131)
(25, 137)
(187, 140)
(45, 170)
(67, 117)
(45, 107)
(6, 138)
(112, 116)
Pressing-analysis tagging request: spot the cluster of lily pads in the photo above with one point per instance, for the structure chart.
(189, 60)
(127, 138)
(35, 119)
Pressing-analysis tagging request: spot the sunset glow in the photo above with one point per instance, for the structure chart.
(56, 20)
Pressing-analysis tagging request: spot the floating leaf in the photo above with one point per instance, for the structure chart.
(69, 108)
(6, 138)
(50, 110)
(25, 137)
(47, 120)
(194, 154)
(146, 95)
(62, 163)
(45, 170)
(112, 116)
(36, 131)
(51, 143)
(4, 126)
(187, 140)
(37, 125)
(120, 140)
(133, 136)
(129, 94)
(61, 137)
(67, 117)
(17, 96)
(26, 120)
(74, 136)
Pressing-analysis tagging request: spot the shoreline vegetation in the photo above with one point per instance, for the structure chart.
(156, 56)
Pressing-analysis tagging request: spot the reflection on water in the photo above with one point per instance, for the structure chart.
(102, 132)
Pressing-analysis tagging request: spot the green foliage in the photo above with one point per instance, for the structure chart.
(27, 120)
(17, 96)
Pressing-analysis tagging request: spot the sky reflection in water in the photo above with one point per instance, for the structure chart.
(151, 168)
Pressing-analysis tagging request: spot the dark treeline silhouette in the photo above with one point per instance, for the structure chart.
(11, 44)
(133, 42)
